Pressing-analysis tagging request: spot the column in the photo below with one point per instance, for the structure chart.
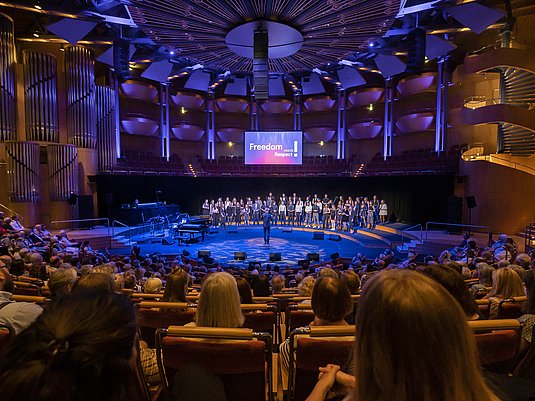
(40, 96)
(388, 126)
(210, 126)
(106, 128)
(297, 112)
(341, 124)
(163, 97)
(442, 98)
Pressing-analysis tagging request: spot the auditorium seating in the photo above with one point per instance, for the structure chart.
(240, 357)
(511, 308)
(313, 347)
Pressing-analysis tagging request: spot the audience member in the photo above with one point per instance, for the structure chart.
(176, 286)
(244, 289)
(61, 282)
(506, 283)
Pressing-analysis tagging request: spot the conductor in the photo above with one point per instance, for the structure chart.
(267, 219)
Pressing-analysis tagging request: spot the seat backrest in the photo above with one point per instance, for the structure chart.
(149, 320)
(511, 308)
(498, 343)
(526, 365)
(299, 315)
(6, 335)
(263, 319)
(235, 355)
(315, 347)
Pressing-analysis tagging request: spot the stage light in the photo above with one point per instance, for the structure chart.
(230, 144)
(172, 53)
(322, 143)
(35, 34)
(37, 6)
(370, 107)
(183, 110)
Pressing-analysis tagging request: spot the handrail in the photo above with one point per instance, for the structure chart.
(454, 225)
(13, 212)
(120, 223)
(81, 221)
(409, 229)
(475, 102)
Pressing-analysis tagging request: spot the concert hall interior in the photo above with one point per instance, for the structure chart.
(265, 138)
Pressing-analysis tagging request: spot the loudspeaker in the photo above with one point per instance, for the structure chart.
(313, 257)
(335, 237)
(303, 263)
(318, 236)
(286, 229)
(203, 253)
(335, 256)
(470, 202)
(72, 199)
(168, 241)
(240, 255)
(208, 260)
(260, 64)
(121, 60)
(275, 257)
(416, 55)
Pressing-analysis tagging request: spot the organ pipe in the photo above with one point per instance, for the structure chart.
(41, 103)
(81, 111)
(62, 171)
(7, 80)
(23, 171)
(106, 138)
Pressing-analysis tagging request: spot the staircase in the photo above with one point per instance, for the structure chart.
(529, 237)
(518, 89)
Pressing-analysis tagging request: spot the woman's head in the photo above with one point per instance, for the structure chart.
(219, 303)
(153, 285)
(484, 273)
(421, 347)
(506, 283)
(453, 282)
(81, 347)
(278, 282)
(331, 301)
(244, 289)
(352, 281)
(305, 286)
(176, 287)
(100, 282)
(261, 286)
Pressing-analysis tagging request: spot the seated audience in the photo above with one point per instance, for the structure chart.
(331, 303)
(153, 285)
(219, 303)
(18, 314)
(176, 286)
(100, 282)
(528, 318)
(244, 289)
(352, 281)
(80, 348)
(304, 289)
(278, 282)
(414, 353)
(506, 283)
(61, 282)
(260, 286)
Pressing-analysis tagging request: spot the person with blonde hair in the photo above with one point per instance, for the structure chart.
(219, 302)
(506, 283)
(153, 285)
(405, 349)
(304, 288)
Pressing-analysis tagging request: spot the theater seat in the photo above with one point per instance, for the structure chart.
(240, 357)
(262, 318)
(511, 308)
(298, 315)
(313, 347)
(498, 343)
(155, 315)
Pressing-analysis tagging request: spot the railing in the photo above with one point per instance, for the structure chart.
(105, 220)
(412, 229)
(529, 241)
(119, 223)
(475, 102)
(468, 226)
(11, 211)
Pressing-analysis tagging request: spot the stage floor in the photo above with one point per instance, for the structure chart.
(293, 246)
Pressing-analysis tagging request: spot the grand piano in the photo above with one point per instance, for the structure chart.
(191, 228)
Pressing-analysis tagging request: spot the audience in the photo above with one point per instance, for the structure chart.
(176, 286)
(405, 350)
(506, 284)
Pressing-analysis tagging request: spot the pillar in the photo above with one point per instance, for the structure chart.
(106, 128)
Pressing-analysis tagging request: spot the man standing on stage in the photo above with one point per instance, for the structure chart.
(267, 219)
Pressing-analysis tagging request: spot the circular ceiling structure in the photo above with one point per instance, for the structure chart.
(303, 34)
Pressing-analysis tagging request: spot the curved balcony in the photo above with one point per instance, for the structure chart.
(480, 110)
(138, 125)
(417, 84)
(415, 122)
(319, 103)
(319, 134)
(499, 58)
(191, 101)
(365, 96)
(187, 132)
(232, 105)
(230, 134)
(365, 130)
(277, 106)
(139, 90)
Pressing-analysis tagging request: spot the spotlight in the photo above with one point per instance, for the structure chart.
(172, 52)
(322, 143)
(37, 6)
(183, 110)
(35, 34)
(230, 144)
(371, 44)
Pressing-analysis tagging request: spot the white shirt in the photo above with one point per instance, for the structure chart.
(18, 314)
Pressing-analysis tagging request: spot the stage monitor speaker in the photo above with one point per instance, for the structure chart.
(416, 54)
(232, 230)
(73, 198)
(260, 64)
(313, 257)
(207, 260)
(303, 263)
(318, 236)
(286, 229)
(275, 257)
(203, 253)
(334, 256)
(240, 255)
(168, 241)
(335, 237)
(471, 202)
